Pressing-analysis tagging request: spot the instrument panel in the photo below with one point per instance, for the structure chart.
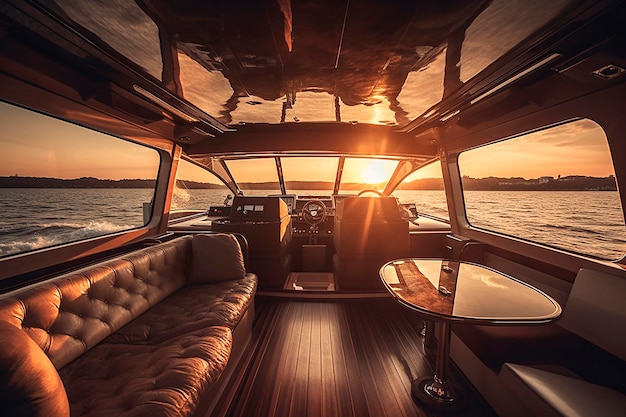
(300, 227)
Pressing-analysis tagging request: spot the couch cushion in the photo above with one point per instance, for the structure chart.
(161, 379)
(595, 308)
(549, 394)
(29, 383)
(194, 307)
(216, 257)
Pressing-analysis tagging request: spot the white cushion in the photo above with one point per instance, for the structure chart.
(595, 310)
(549, 394)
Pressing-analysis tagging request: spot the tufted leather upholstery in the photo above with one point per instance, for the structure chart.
(75, 312)
(161, 379)
(130, 336)
(220, 304)
(22, 395)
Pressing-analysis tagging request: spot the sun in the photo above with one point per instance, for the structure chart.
(375, 172)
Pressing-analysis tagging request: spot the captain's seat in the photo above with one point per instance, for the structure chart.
(368, 232)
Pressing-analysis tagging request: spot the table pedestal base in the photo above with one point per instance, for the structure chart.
(438, 394)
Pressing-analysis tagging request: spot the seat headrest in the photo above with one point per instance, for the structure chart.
(368, 208)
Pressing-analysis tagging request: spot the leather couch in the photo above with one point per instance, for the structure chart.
(148, 333)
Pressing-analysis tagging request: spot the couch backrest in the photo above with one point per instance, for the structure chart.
(70, 314)
(595, 310)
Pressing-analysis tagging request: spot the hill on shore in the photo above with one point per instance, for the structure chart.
(569, 183)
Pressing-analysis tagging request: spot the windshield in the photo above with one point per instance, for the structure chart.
(310, 174)
(305, 174)
(255, 176)
(366, 173)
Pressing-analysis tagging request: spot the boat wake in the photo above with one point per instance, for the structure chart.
(24, 239)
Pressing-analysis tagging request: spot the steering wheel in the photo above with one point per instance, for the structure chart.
(314, 212)
(370, 190)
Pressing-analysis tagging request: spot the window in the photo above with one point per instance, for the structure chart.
(555, 186)
(363, 173)
(424, 187)
(196, 188)
(309, 175)
(255, 176)
(62, 183)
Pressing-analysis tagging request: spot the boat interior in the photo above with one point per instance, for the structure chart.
(243, 172)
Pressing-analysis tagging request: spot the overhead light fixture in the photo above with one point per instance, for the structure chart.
(204, 118)
(157, 100)
(516, 77)
(186, 132)
(449, 115)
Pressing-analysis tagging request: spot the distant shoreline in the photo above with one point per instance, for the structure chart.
(569, 183)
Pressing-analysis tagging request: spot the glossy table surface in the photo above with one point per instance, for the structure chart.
(463, 291)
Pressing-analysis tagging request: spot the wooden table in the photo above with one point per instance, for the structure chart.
(448, 291)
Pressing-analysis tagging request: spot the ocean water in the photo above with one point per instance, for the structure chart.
(589, 222)
(35, 218)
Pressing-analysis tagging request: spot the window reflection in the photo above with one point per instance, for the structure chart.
(424, 88)
(395, 61)
(196, 80)
(485, 41)
(123, 26)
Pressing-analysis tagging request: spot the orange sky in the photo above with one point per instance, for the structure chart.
(577, 148)
(30, 145)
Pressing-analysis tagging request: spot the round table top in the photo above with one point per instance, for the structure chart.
(463, 291)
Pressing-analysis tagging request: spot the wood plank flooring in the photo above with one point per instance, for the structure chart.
(337, 359)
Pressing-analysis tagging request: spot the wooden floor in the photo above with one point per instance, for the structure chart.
(337, 359)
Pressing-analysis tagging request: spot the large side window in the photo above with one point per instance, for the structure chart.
(554, 186)
(424, 187)
(62, 183)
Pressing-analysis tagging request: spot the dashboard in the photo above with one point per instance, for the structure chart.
(301, 228)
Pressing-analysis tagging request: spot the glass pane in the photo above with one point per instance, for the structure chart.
(197, 188)
(424, 187)
(554, 186)
(257, 176)
(123, 26)
(486, 41)
(63, 183)
(305, 175)
(363, 173)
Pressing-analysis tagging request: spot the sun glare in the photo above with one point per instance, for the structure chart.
(374, 172)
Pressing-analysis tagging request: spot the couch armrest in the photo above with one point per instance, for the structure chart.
(29, 383)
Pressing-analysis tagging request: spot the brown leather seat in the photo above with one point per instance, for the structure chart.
(368, 232)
